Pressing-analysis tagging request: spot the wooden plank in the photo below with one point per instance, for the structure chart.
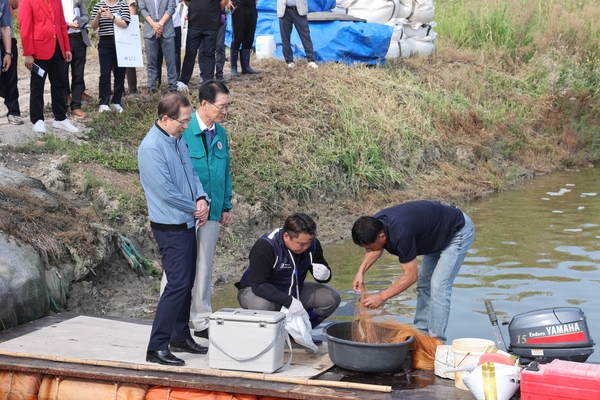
(183, 380)
(406, 384)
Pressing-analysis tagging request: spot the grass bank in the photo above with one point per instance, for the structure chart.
(512, 89)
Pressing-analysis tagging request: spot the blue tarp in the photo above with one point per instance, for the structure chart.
(313, 5)
(349, 42)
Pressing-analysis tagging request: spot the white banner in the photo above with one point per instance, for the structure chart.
(129, 44)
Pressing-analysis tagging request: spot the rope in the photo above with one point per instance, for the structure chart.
(134, 258)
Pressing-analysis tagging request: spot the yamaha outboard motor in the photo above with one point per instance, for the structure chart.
(547, 334)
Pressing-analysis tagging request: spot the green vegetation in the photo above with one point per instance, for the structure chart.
(513, 88)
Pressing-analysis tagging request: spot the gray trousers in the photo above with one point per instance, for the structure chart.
(323, 299)
(290, 17)
(168, 50)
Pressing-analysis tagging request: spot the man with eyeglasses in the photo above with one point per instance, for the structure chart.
(209, 151)
(177, 203)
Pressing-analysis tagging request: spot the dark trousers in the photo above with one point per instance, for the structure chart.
(243, 21)
(171, 322)
(131, 79)
(56, 70)
(195, 38)
(219, 53)
(79, 50)
(177, 56)
(290, 17)
(8, 81)
(107, 53)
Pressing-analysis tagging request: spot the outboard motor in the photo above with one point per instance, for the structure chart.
(547, 334)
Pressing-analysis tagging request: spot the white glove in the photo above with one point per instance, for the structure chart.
(296, 307)
(321, 272)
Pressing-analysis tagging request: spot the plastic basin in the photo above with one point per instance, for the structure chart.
(363, 357)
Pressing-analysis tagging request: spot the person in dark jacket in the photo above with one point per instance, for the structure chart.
(204, 20)
(243, 20)
(442, 234)
(279, 263)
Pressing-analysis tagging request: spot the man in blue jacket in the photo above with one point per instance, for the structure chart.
(279, 263)
(177, 203)
(442, 234)
(209, 151)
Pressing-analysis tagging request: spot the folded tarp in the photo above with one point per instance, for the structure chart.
(350, 42)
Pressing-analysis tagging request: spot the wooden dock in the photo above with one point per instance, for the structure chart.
(332, 383)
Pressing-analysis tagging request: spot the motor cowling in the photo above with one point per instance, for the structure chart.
(551, 333)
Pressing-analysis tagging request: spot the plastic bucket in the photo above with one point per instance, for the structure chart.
(466, 352)
(265, 46)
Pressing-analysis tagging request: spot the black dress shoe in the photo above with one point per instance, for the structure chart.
(164, 357)
(202, 334)
(189, 346)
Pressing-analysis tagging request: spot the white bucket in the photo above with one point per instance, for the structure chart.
(444, 359)
(265, 46)
(467, 351)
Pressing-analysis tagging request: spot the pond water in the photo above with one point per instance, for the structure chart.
(535, 247)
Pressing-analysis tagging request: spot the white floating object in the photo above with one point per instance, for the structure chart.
(545, 198)
(557, 211)
(580, 207)
(559, 193)
(569, 184)
(573, 230)
(588, 194)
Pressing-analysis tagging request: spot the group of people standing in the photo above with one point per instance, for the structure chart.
(63, 25)
(184, 164)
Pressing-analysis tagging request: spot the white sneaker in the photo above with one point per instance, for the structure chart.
(117, 108)
(39, 126)
(182, 87)
(65, 125)
(104, 107)
(313, 64)
(291, 64)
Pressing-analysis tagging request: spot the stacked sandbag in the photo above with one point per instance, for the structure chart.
(411, 21)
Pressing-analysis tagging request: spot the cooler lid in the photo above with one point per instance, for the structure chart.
(240, 314)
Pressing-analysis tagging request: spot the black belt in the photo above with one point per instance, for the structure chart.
(291, 7)
(168, 227)
(75, 34)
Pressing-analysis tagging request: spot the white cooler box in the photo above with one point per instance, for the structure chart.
(246, 340)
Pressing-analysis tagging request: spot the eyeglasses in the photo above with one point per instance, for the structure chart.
(182, 122)
(220, 108)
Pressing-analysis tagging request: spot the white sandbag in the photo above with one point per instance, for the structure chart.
(393, 50)
(493, 381)
(379, 11)
(422, 47)
(416, 29)
(405, 49)
(397, 25)
(420, 11)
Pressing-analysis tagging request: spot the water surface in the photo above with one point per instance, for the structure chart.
(535, 247)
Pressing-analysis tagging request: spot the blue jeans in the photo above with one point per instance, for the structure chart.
(434, 285)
